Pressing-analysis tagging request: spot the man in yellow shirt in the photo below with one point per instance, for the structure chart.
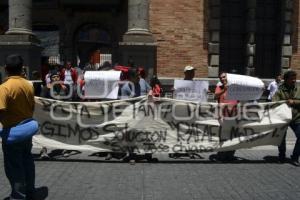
(17, 105)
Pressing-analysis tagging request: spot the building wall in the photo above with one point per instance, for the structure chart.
(70, 21)
(179, 28)
(295, 63)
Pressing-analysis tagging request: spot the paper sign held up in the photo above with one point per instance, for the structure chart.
(244, 88)
(101, 84)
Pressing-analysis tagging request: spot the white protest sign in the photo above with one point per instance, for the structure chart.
(191, 90)
(101, 84)
(244, 88)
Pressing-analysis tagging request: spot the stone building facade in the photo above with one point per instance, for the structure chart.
(254, 37)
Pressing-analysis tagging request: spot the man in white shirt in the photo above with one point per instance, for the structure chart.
(273, 86)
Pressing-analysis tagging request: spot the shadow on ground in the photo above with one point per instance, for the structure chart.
(173, 159)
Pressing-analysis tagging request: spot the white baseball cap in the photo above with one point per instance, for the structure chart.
(189, 68)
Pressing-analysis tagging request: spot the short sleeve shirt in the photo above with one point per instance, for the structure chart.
(273, 87)
(16, 101)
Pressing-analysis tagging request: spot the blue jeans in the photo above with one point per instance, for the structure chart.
(282, 147)
(19, 168)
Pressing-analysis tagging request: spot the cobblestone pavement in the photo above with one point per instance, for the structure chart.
(256, 175)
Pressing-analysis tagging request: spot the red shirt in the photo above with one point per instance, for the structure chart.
(222, 98)
(156, 90)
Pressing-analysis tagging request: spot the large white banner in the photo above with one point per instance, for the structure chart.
(162, 126)
(191, 90)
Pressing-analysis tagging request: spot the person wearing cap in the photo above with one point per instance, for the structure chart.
(189, 73)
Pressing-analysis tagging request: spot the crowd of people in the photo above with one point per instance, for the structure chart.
(17, 104)
(67, 82)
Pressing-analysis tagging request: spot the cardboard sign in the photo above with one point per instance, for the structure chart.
(191, 90)
(101, 84)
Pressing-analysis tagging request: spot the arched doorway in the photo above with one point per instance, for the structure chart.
(92, 40)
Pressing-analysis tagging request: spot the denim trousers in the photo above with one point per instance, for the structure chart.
(19, 168)
(282, 147)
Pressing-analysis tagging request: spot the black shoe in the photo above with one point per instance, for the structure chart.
(40, 193)
(214, 158)
(295, 163)
(281, 160)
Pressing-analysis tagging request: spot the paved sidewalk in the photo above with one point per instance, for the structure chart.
(84, 177)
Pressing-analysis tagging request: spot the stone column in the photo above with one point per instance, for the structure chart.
(287, 50)
(251, 29)
(20, 17)
(214, 37)
(138, 22)
(19, 38)
(138, 43)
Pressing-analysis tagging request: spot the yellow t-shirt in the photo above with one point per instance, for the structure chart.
(16, 101)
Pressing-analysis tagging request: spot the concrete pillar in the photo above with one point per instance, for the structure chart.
(138, 16)
(19, 38)
(138, 43)
(138, 22)
(20, 17)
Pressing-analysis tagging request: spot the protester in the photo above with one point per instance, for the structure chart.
(47, 81)
(290, 92)
(17, 105)
(57, 87)
(145, 87)
(229, 106)
(69, 76)
(189, 73)
(106, 66)
(273, 87)
(156, 88)
(131, 88)
(81, 84)
(37, 84)
(44, 69)
(24, 72)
